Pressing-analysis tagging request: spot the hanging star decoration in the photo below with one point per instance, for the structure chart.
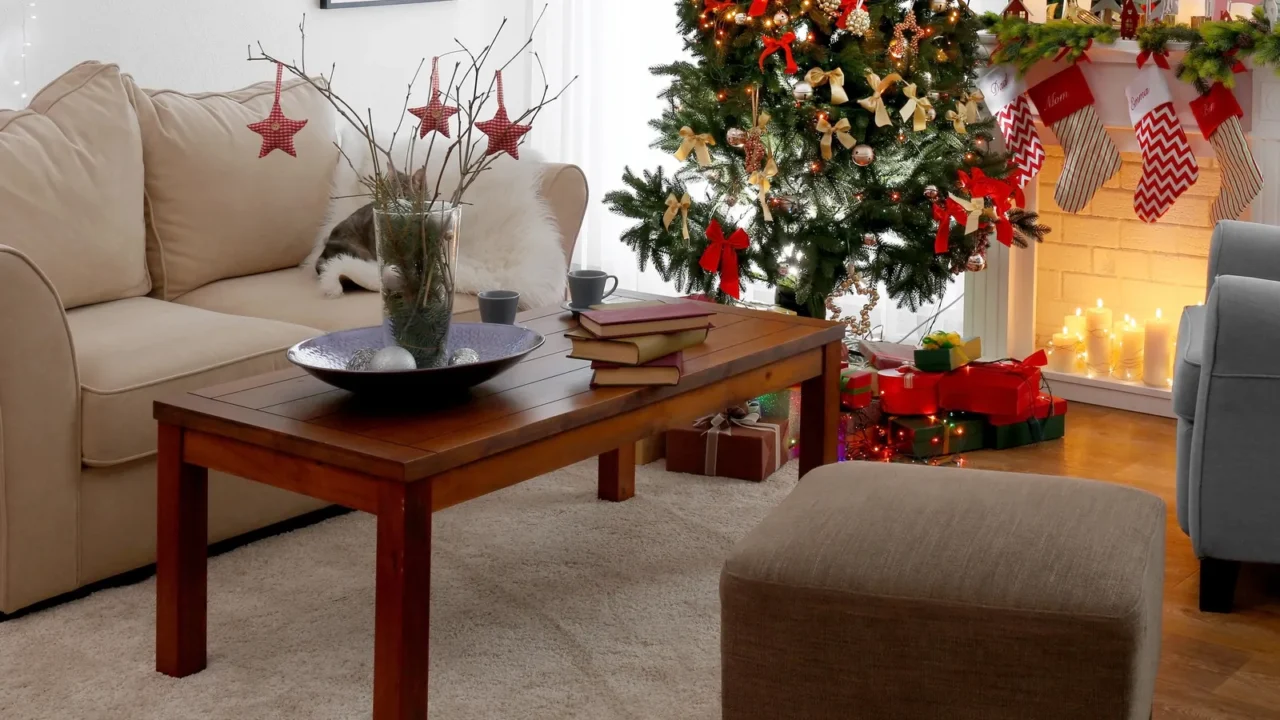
(277, 131)
(504, 135)
(434, 115)
(900, 38)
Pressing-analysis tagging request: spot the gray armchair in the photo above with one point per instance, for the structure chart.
(1225, 393)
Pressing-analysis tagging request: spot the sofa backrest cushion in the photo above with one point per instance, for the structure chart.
(215, 209)
(71, 186)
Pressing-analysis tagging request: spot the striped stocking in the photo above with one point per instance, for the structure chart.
(1066, 104)
(1004, 93)
(1169, 167)
(1218, 114)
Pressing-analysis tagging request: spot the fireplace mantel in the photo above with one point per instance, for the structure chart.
(1000, 303)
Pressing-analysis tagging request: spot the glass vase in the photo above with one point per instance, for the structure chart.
(417, 252)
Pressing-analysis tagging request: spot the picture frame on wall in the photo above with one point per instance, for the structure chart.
(339, 4)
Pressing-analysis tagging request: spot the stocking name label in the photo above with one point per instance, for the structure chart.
(1147, 92)
(1001, 86)
(1215, 108)
(1061, 95)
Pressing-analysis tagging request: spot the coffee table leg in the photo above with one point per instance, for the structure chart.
(402, 619)
(820, 412)
(181, 555)
(618, 474)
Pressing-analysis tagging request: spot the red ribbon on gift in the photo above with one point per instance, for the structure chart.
(1161, 58)
(1084, 54)
(846, 9)
(773, 45)
(758, 7)
(973, 388)
(722, 256)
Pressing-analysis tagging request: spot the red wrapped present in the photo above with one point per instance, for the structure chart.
(857, 387)
(1047, 421)
(1042, 408)
(907, 391)
(1004, 387)
(745, 448)
(885, 355)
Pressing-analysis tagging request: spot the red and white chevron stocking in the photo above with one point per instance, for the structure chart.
(1066, 104)
(1006, 99)
(1169, 167)
(1218, 114)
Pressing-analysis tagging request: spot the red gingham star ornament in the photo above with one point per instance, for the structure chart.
(277, 131)
(434, 115)
(504, 135)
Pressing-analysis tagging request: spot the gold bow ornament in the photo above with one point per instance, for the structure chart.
(818, 77)
(840, 130)
(971, 106)
(695, 143)
(763, 179)
(957, 119)
(677, 206)
(917, 108)
(973, 208)
(875, 102)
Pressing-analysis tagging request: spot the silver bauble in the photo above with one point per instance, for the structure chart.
(781, 17)
(464, 356)
(931, 192)
(931, 114)
(802, 92)
(870, 239)
(742, 18)
(976, 263)
(736, 137)
(863, 155)
(393, 359)
(361, 359)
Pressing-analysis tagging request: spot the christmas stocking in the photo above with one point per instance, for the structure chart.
(1168, 165)
(1218, 114)
(1006, 99)
(1066, 104)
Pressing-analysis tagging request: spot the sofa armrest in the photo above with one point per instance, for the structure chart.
(39, 438)
(1233, 496)
(564, 187)
(1244, 249)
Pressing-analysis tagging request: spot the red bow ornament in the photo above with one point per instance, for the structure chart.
(721, 256)
(758, 7)
(1161, 57)
(1238, 67)
(715, 6)
(773, 45)
(944, 212)
(1002, 194)
(1084, 54)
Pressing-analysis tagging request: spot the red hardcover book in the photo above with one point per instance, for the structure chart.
(670, 318)
(663, 371)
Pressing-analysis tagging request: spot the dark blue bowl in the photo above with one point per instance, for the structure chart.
(499, 346)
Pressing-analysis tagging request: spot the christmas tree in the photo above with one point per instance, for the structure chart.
(824, 141)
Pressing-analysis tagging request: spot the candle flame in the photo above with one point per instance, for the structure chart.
(1159, 313)
(1077, 312)
(1064, 329)
(1099, 302)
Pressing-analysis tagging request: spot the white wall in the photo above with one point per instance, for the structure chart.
(201, 45)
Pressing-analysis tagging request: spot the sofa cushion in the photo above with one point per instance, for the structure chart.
(132, 352)
(1186, 361)
(215, 209)
(294, 296)
(71, 190)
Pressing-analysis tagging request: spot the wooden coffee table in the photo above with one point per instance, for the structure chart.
(292, 431)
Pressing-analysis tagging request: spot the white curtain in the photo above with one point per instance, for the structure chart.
(601, 125)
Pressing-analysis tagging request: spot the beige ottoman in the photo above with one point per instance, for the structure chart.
(890, 592)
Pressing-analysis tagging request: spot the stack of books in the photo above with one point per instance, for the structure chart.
(639, 343)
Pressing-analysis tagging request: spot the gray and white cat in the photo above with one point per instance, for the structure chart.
(350, 256)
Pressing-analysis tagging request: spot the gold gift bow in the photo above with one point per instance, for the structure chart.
(971, 106)
(974, 208)
(875, 102)
(674, 206)
(957, 119)
(840, 130)
(695, 143)
(763, 179)
(818, 77)
(916, 106)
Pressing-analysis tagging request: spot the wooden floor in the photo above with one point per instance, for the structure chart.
(1212, 666)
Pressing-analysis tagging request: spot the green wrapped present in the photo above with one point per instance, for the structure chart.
(1048, 421)
(944, 351)
(934, 435)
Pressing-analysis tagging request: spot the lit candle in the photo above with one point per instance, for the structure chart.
(1075, 325)
(1097, 342)
(1156, 348)
(1131, 340)
(1062, 351)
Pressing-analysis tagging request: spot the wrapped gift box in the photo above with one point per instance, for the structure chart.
(857, 387)
(743, 448)
(885, 355)
(1007, 387)
(1047, 421)
(941, 352)
(907, 391)
(937, 435)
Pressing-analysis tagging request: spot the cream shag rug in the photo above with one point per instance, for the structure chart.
(545, 603)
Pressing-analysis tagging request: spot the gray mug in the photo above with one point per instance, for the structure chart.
(586, 287)
(499, 306)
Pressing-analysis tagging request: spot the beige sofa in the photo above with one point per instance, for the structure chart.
(147, 250)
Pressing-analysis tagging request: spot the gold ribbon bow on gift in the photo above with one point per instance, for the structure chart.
(971, 106)
(839, 130)
(957, 119)
(695, 143)
(917, 108)
(974, 210)
(875, 102)
(818, 77)
(763, 179)
(680, 206)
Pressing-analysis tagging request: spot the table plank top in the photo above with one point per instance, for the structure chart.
(545, 394)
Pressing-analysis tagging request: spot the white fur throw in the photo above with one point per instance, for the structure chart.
(509, 239)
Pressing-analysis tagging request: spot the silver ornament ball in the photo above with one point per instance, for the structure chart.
(781, 17)
(361, 359)
(976, 263)
(931, 114)
(464, 356)
(863, 155)
(742, 18)
(802, 92)
(870, 239)
(393, 359)
(736, 137)
(931, 192)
